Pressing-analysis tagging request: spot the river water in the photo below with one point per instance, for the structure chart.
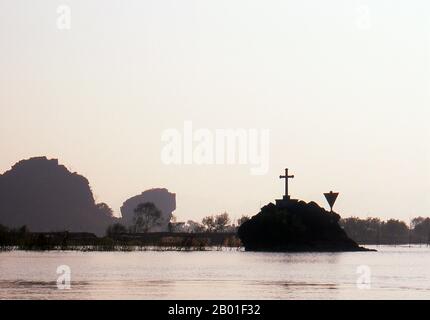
(399, 272)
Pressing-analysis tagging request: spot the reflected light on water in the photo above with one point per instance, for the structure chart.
(396, 273)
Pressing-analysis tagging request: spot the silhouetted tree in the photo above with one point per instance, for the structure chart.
(195, 227)
(209, 223)
(23, 230)
(146, 216)
(373, 230)
(416, 221)
(221, 221)
(394, 231)
(242, 220)
(4, 235)
(421, 229)
(3, 229)
(105, 209)
(216, 223)
(362, 230)
(116, 228)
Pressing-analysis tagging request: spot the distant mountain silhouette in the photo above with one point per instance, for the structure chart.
(293, 225)
(45, 196)
(164, 200)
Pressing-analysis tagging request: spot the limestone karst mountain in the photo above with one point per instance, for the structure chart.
(45, 196)
(164, 200)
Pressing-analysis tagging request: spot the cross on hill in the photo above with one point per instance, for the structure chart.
(286, 177)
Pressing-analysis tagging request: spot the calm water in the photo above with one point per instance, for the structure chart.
(396, 273)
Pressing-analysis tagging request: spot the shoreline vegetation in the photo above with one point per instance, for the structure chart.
(123, 248)
(374, 231)
(65, 204)
(370, 231)
(22, 239)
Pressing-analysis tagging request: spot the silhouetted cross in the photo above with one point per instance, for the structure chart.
(286, 177)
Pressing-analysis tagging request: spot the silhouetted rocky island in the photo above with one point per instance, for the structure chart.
(293, 225)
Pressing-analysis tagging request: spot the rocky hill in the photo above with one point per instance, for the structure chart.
(295, 226)
(164, 200)
(45, 196)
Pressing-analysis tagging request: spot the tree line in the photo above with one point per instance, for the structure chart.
(147, 216)
(391, 231)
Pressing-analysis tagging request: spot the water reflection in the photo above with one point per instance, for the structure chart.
(396, 273)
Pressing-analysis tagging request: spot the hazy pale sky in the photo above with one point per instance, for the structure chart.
(343, 86)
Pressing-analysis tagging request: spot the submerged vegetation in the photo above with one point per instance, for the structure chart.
(208, 236)
(115, 240)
